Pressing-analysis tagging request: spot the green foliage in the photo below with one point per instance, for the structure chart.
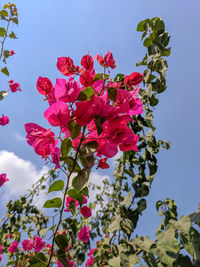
(53, 203)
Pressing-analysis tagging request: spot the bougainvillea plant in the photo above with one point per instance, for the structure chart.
(92, 116)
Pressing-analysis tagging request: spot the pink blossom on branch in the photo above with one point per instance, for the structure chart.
(107, 60)
(44, 86)
(134, 79)
(14, 87)
(66, 66)
(3, 179)
(41, 139)
(38, 244)
(87, 62)
(102, 164)
(84, 234)
(13, 247)
(27, 244)
(4, 120)
(57, 114)
(86, 212)
(11, 53)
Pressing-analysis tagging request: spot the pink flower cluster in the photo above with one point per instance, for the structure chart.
(4, 120)
(66, 106)
(37, 244)
(3, 179)
(85, 211)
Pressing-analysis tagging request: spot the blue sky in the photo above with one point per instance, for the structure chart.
(49, 29)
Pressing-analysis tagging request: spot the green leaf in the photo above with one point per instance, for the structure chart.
(115, 224)
(74, 128)
(80, 181)
(36, 259)
(4, 13)
(6, 53)
(53, 203)
(62, 257)
(61, 241)
(3, 94)
(119, 78)
(12, 35)
(98, 76)
(114, 262)
(73, 193)
(147, 42)
(153, 100)
(72, 167)
(191, 243)
(141, 205)
(112, 93)
(182, 225)
(140, 26)
(2, 32)
(43, 232)
(15, 20)
(56, 186)
(66, 147)
(127, 199)
(86, 94)
(5, 71)
(144, 243)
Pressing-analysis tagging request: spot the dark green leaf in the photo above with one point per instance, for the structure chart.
(37, 259)
(86, 94)
(53, 203)
(56, 186)
(73, 167)
(66, 147)
(119, 78)
(112, 93)
(12, 35)
(74, 128)
(98, 76)
(73, 193)
(61, 241)
(15, 20)
(147, 42)
(2, 31)
(5, 71)
(80, 181)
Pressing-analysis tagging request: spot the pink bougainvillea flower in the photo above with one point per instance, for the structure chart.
(27, 244)
(134, 79)
(87, 62)
(0, 257)
(41, 139)
(129, 142)
(14, 87)
(4, 120)
(3, 179)
(66, 66)
(44, 86)
(13, 247)
(55, 154)
(87, 77)
(84, 234)
(91, 252)
(102, 164)
(1, 248)
(107, 60)
(70, 263)
(57, 114)
(38, 244)
(86, 212)
(90, 261)
(11, 53)
(66, 91)
(68, 201)
(86, 110)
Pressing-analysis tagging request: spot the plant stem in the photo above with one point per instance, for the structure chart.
(65, 193)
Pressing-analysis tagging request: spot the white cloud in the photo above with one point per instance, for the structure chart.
(21, 174)
(96, 179)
